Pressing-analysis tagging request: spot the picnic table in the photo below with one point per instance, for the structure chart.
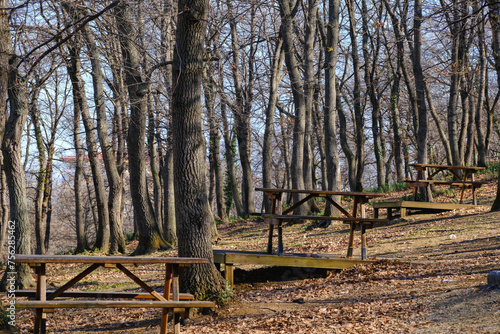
(462, 177)
(170, 300)
(356, 217)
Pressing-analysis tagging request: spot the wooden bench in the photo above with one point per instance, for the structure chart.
(275, 220)
(404, 206)
(453, 183)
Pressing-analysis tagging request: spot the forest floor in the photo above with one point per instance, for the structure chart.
(432, 278)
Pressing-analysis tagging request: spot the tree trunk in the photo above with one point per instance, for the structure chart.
(358, 108)
(12, 151)
(419, 85)
(194, 217)
(103, 231)
(293, 67)
(494, 13)
(331, 144)
(267, 146)
(241, 110)
(150, 236)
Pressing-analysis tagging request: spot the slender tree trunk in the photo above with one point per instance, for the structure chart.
(194, 217)
(419, 84)
(331, 143)
(103, 230)
(297, 169)
(241, 110)
(267, 146)
(479, 109)
(358, 108)
(81, 237)
(150, 236)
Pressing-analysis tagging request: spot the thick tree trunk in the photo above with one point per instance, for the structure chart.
(494, 16)
(193, 213)
(150, 236)
(12, 152)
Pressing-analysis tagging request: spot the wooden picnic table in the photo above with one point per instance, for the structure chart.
(355, 217)
(45, 301)
(463, 177)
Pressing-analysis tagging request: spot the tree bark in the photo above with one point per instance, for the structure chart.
(193, 214)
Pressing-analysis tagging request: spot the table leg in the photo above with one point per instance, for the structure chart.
(166, 294)
(363, 242)
(280, 237)
(40, 326)
(175, 293)
(350, 247)
(270, 239)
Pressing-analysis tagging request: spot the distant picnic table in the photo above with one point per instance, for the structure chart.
(44, 301)
(462, 177)
(356, 217)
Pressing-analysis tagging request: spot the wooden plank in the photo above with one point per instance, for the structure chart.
(472, 168)
(104, 295)
(345, 219)
(420, 205)
(293, 261)
(320, 192)
(34, 258)
(51, 304)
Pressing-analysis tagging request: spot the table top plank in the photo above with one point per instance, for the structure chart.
(471, 168)
(321, 192)
(36, 258)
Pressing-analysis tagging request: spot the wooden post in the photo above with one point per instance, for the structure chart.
(40, 326)
(166, 294)
(363, 242)
(175, 292)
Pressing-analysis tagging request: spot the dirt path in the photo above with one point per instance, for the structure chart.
(434, 282)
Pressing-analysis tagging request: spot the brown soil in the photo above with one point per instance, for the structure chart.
(431, 279)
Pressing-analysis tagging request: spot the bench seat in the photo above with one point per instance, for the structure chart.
(109, 295)
(52, 304)
(455, 183)
(346, 220)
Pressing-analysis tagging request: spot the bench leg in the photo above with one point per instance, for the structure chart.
(375, 213)
(229, 273)
(402, 212)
